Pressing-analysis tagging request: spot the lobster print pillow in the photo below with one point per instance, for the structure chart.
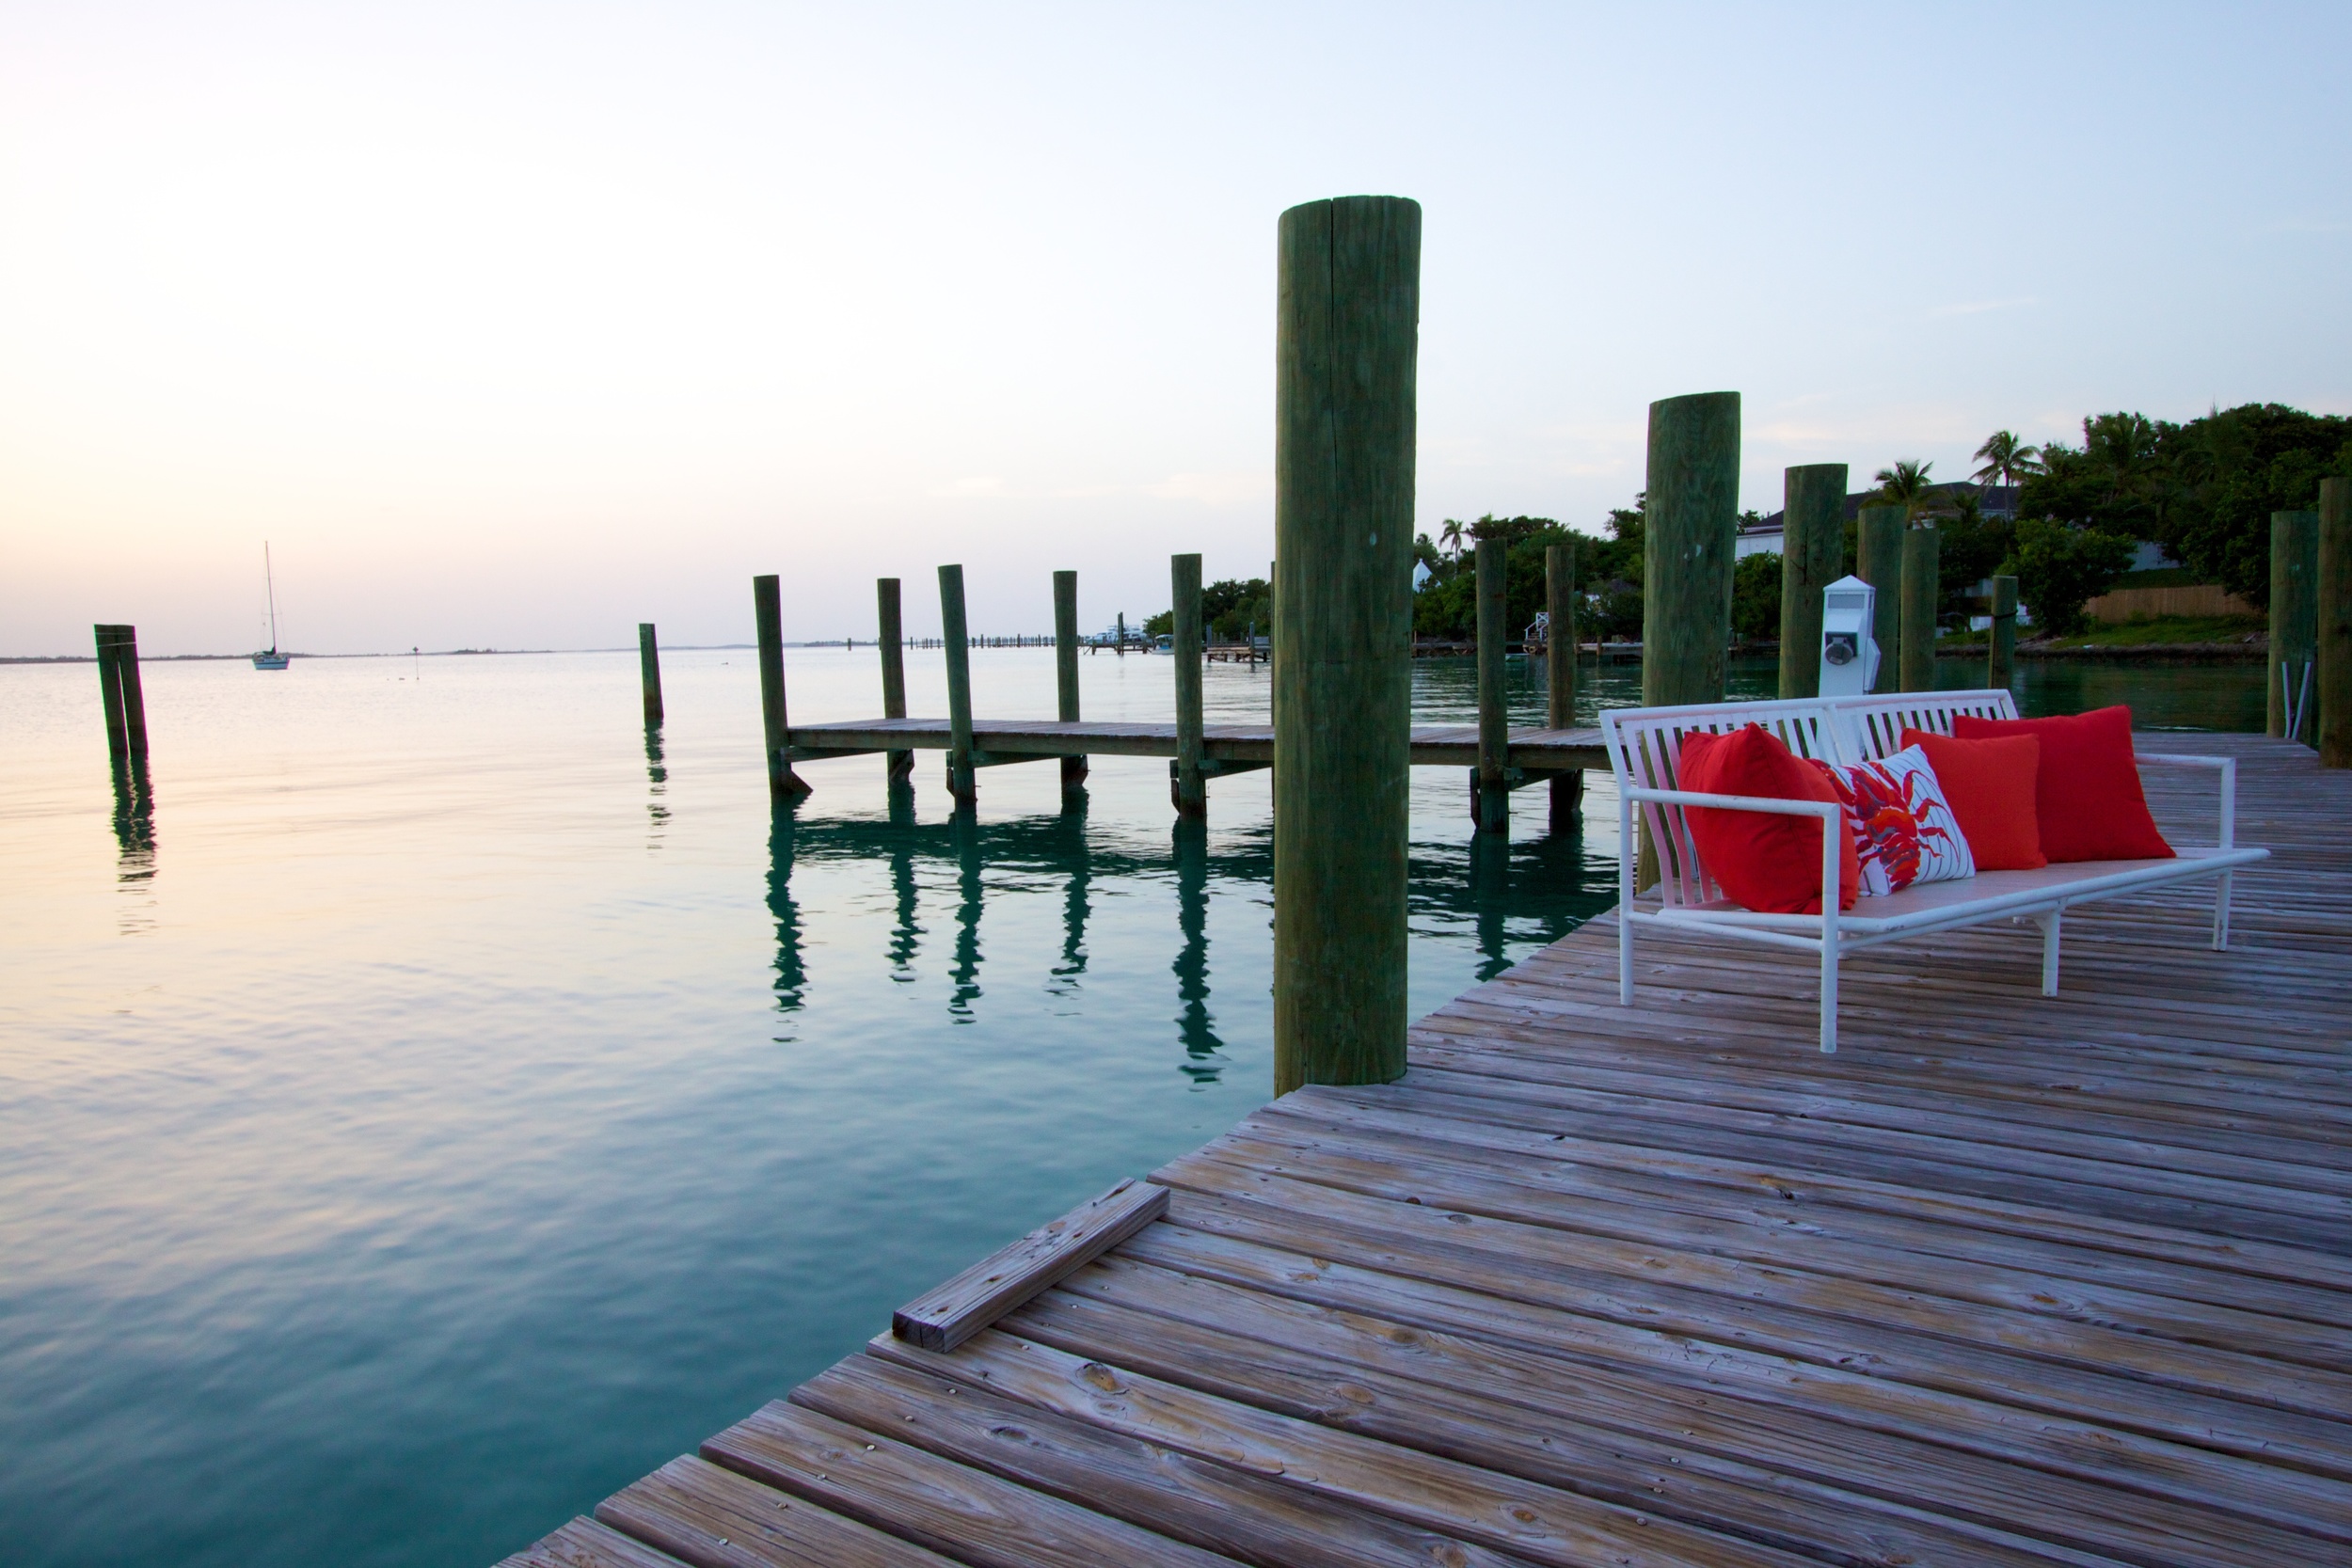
(1904, 831)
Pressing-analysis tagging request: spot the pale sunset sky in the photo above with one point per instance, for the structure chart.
(513, 325)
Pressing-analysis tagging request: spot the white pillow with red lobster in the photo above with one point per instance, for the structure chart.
(1903, 831)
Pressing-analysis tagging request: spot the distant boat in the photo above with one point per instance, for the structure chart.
(272, 658)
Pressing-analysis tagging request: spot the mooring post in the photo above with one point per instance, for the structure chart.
(2332, 682)
(1122, 632)
(890, 638)
(1347, 337)
(1184, 786)
(110, 689)
(1073, 770)
(2000, 666)
(962, 776)
(1879, 562)
(1560, 651)
(1490, 796)
(649, 671)
(2294, 619)
(133, 697)
(1812, 556)
(1920, 572)
(783, 784)
(1692, 523)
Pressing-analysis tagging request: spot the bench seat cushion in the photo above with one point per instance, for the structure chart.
(2025, 889)
(1768, 863)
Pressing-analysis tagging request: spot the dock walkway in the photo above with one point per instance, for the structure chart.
(1434, 745)
(2008, 1280)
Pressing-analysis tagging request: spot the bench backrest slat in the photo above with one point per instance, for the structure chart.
(1874, 725)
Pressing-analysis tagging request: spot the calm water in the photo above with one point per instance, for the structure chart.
(445, 1101)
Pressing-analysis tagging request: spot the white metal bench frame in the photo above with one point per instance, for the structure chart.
(1644, 750)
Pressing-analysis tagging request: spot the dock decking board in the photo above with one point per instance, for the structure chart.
(2010, 1280)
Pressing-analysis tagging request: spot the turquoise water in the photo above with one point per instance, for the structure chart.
(439, 1101)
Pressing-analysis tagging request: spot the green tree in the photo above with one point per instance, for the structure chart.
(2061, 567)
(1969, 548)
(2006, 460)
(1756, 597)
(1905, 484)
(1452, 535)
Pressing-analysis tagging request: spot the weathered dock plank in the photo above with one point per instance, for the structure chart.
(2008, 1280)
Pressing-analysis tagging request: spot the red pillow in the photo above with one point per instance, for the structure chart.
(1989, 787)
(2087, 796)
(1766, 863)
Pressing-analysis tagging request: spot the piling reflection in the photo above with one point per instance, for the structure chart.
(965, 830)
(657, 787)
(135, 843)
(1077, 901)
(904, 931)
(1196, 1026)
(791, 982)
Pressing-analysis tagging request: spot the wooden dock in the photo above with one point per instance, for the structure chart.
(1232, 747)
(2008, 1281)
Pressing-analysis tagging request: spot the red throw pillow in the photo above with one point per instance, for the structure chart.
(1989, 787)
(1763, 862)
(2086, 797)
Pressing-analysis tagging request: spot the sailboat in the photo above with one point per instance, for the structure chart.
(272, 659)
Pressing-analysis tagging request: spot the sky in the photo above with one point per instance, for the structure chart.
(513, 325)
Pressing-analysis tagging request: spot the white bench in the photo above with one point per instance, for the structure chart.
(1645, 747)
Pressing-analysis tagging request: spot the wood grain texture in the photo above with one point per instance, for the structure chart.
(1074, 768)
(1693, 520)
(2000, 669)
(649, 671)
(1812, 556)
(1920, 560)
(946, 1314)
(1879, 562)
(1189, 796)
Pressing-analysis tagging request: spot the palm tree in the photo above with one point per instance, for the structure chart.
(2007, 460)
(1452, 534)
(1906, 485)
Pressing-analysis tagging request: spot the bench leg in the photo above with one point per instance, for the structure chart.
(2049, 923)
(2221, 915)
(1625, 902)
(1829, 995)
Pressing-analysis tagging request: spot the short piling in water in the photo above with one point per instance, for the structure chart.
(2332, 681)
(1879, 562)
(1812, 556)
(962, 775)
(649, 671)
(110, 691)
(1073, 770)
(1347, 339)
(2000, 666)
(1186, 789)
(1921, 561)
(783, 784)
(123, 699)
(890, 638)
(1490, 791)
(1693, 519)
(1560, 650)
(2294, 622)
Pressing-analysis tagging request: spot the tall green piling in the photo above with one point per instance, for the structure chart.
(1185, 788)
(1921, 561)
(1491, 795)
(1346, 338)
(783, 784)
(110, 687)
(962, 776)
(1073, 770)
(1879, 562)
(2000, 667)
(2294, 615)
(1693, 518)
(1812, 556)
(133, 696)
(891, 642)
(649, 671)
(2332, 681)
(1560, 650)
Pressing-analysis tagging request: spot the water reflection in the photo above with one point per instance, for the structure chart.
(135, 841)
(791, 973)
(657, 785)
(1077, 901)
(965, 830)
(903, 930)
(1196, 1026)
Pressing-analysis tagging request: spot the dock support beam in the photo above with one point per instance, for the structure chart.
(1185, 788)
(962, 776)
(1491, 796)
(890, 638)
(1560, 650)
(1347, 340)
(2293, 621)
(1073, 770)
(783, 784)
(1812, 556)
(2000, 665)
(2334, 683)
(1693, 520)
(119, 686)
(1921, 563)
(649, 671)
(1879, 562)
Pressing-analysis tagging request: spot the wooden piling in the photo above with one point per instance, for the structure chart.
(1346, 338)
(649, 671)
(1490, 796)
(1693, 518)
(783, 784)
(1185, 788)
(1560, 650)
(1921, 560)
(1879, 562)
(2332, 680)
(110, 689)
(1073, 770)
(890, 639)
(2294, 614)
(2000, 667)
(962, 776)
(1812, 556)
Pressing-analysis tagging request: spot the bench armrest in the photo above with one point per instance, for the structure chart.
(2226, 767)
(1831, 812)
